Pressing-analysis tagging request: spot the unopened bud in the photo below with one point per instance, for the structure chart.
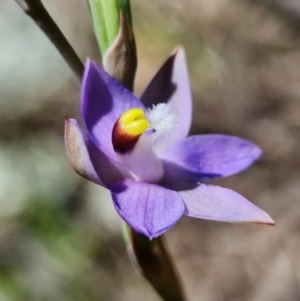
(120, 60)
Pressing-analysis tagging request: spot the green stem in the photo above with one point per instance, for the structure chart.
(156, 265)
(36, 10)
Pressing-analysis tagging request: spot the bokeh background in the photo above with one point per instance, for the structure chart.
(60, 237)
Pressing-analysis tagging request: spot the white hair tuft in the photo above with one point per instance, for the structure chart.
(161, 118)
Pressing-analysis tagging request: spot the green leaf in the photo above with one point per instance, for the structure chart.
(106, 21)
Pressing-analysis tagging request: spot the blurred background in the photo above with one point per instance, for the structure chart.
(60, 237)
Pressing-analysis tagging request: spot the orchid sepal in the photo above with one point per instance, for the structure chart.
(78, 153)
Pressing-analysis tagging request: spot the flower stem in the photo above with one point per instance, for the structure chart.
(155, 264)
(36, 10)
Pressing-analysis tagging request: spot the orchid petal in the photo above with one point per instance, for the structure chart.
(103, 101)
(208, 157)
(87, 160)
(220, 204)
(147, 208)
(171, 85)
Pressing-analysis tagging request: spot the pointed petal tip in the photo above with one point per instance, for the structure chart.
(263, 218)
(152, 235)
(149, 209)
(267, 222)
(257, 152)
(179, 53)
(221, 204)
(272, 223)
(179, 49)
(87, 63)
(89, 66)
(67, 126)
(70, 122)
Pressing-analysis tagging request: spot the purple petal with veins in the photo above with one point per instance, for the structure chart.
(147, 208)
(171, 85)
(217, 203)
(103, 100)
(208, 157)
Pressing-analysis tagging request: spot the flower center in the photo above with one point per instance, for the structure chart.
(127, 130)
(133, 138)
(134, 122)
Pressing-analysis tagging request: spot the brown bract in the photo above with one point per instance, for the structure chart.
(120, 60)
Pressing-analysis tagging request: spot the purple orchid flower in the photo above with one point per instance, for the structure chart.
(138, 150)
